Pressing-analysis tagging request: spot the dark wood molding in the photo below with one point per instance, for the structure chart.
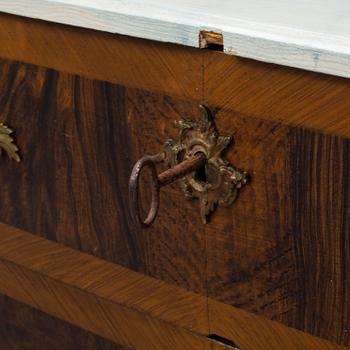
(25, 328)
(99, 296)
(113, 302)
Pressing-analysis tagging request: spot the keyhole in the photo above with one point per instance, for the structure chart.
(200, 174)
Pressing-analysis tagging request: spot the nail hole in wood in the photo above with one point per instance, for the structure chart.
(200, 175)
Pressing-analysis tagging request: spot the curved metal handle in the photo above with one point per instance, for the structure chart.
(199, 146)
(150, 162)
(157, 181)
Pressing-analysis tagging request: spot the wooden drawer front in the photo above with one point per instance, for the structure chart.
(78, 141)
(281, 251)
(127, 307)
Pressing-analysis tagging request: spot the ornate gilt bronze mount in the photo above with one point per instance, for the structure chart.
(196, 160)
(7, 143)
(217, 182)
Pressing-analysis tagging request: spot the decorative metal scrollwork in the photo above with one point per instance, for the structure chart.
(196, 160)
(7, 143)
(217, 182)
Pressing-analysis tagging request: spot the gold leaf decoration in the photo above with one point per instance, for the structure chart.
(7, 143)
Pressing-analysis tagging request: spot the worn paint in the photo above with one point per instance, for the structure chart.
(304, 34)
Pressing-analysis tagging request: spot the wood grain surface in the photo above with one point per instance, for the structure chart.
(79, 139)
(305, 34)
(256, 333)
(114, 302)
(282, 250)
(266, 91)
(114, 58)
(278, 94)
(25, 328)
(135, 311)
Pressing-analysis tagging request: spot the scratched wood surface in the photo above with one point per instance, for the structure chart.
(26, 328)
(114, 302)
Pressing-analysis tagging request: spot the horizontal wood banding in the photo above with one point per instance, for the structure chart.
(98, 296)
(282, 250)
(115, 58)
(79, 140)
(25, 328)
(305, 34)
(112, 301)
(256, 333)
(277, 94)
(266, 91)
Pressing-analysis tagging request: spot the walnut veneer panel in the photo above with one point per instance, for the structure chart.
(131, 309)
(267, 91)
(79, 139)
(124, 60)
(276, 93)
(26, 328)
(252, 332)
(135, 310)
(280, 251)
(283, 249)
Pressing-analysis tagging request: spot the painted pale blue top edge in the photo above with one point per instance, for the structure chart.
(312, 35)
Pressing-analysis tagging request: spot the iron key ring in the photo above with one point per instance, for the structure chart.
(157, 181)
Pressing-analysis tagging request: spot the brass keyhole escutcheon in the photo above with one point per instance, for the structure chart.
(196, 161)
(217, 182)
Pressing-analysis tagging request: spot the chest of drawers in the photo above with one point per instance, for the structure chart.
(270, 271)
